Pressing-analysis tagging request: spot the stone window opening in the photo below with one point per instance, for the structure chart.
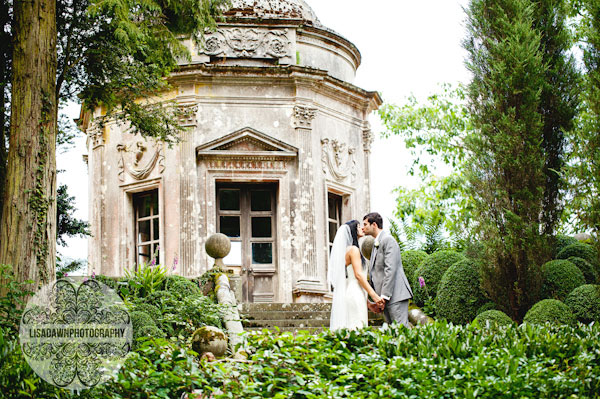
(334, 216)
(147, 227)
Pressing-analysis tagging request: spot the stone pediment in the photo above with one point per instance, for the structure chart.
(247, 143)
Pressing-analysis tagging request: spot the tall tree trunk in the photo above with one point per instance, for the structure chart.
(5, 54)
(28, 227)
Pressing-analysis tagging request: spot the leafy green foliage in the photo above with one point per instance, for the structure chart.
(584, 302)
(145, 280)
(580, 250)
(559, 278)
(459, 294)
(506, 171)
(563, 241)
(487, 306)
(411, 260)
(433, 361)
(493, 318)
(13, 296)
(180, 287)
(149, 309)
(432, 269)
(589, 271)
(549, 311)
(66, 223)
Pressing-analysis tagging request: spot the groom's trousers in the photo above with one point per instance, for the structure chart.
(396, 312)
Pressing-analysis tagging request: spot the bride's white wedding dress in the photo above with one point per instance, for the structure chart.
(349, 304)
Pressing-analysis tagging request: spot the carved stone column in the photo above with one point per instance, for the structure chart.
(367, 142)
(97, 252)
(305, 247)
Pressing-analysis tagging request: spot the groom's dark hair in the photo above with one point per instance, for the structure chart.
(374, 217)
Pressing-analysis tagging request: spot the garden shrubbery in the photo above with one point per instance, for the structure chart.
(180, 287)
(459, 294)
(494, 318)
(589, 271)
(431, 270)
(580, 250)
(411, 260)
(559, 278)
(584, 302)
(563, 241)
(549, 311)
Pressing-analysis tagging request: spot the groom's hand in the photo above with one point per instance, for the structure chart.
(373, 307)
(381, 304)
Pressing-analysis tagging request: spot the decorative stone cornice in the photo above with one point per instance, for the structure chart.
(303, 116)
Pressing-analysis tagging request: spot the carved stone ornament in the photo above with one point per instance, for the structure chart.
(247, 43)
(338, 160)
(139, 159)
(304, 116)
(96, 135)
(368, 139)
(188, 115)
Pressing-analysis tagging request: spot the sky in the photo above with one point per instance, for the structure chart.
(407, 47)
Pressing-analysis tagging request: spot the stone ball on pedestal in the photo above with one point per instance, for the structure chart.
(218, 246)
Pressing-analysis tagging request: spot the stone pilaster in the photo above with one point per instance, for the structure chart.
(97, 253)
(305, 246)
(367, 142)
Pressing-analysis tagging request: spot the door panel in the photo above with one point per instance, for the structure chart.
(246, 214)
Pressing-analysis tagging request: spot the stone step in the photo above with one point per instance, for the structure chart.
(294, 330)
(285, 315)
(296, 307)
(299, 323)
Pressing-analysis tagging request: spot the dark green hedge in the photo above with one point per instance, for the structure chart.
(563, 241)
(432, 270)
(559, 278)
(584, 302)
(494, 318)
(589, 271)
(580, 250)
(459, 293)
(550, 311)
(411, 260)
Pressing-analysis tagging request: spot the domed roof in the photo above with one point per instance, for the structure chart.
(273, 9)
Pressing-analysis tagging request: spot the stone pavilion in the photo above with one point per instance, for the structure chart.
(275, 156)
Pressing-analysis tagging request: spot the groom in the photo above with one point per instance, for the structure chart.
(386, 273)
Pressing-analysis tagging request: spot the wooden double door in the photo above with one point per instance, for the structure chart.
(246, 213)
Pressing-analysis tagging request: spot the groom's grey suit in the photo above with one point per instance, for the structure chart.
(388, 279)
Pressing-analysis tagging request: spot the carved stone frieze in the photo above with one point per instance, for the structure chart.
(303, 116)
(139, 159)
(338, 160)
(247, 43)
(246, 164)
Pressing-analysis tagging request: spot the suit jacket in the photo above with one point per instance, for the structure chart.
(386, 271)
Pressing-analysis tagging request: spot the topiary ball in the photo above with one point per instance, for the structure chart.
(559, 278)
(493, 318)
(180, 287)
(411, 260)
(459, 293)
(584, 302)
(563, 241)
(139, 322)
(589, 272)
(549, 311)
(487, 306)
(580, 250)
(151, 310)
(432, 269)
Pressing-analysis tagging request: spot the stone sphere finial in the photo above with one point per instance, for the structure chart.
(366, 248)
(218, 246)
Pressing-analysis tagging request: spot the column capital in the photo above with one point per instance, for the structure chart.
(303, 116)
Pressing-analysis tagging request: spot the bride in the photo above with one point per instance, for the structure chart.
(347, 275)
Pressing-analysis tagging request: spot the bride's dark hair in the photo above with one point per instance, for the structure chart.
(353, 224)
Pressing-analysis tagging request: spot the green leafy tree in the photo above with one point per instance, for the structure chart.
(67, 224)
(584, 165)
(521, 74)
(113, 53)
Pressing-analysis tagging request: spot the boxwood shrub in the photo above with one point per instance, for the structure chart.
(432, 270)
(584, 302)
(559, 278)
(494, 318)
(580, 250)
(139, 321)
(550, 311)
(411, 260)
(459, 294)
(589, 271)
(487, 306)
(563, 241)
(180, 287)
